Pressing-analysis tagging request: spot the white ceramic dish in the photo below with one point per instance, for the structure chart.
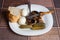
(48, 19)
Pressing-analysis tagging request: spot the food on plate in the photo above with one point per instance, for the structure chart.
(43, 13)
(34, 12)
(22, 21)
(35, 20)
(25, 12)
(13, 18)
(26, 26)
(25, 19)
(38, 26)
(32, 17)
(15, 14)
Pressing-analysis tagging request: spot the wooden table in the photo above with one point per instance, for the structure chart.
(7, 34)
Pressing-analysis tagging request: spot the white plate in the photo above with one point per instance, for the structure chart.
(48, 19)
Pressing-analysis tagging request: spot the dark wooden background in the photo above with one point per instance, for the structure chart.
(7, 34)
